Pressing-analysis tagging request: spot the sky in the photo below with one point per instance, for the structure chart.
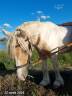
(14, 12)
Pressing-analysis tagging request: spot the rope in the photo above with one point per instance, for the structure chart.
(67, 45)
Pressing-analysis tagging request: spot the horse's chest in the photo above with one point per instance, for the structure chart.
(43, 53)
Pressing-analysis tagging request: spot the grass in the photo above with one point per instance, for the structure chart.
(6, 60)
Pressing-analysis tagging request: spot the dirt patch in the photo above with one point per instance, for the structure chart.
(11, 86)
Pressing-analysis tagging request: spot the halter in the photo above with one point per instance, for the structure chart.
(21, 66)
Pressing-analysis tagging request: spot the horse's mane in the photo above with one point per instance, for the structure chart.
(9, 47)
(25, 46)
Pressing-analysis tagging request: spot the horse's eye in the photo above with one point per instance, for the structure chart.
(17, 46)
(26, 39)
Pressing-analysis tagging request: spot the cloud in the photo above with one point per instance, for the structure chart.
(7, 25)
(40, 15)
(39, 12)
(0, 27)
(59, 6)
(44, 17)
(33, 13)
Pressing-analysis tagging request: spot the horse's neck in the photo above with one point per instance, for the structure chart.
(32, 34)
(43, 29)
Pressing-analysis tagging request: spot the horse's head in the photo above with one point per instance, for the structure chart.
(20, 50)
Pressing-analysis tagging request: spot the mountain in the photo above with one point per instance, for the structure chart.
(3, 39)
(66, 24)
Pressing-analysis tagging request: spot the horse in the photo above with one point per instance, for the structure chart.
(47, 38)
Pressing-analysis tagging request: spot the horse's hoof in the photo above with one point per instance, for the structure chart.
(44, 83)
(58, 84)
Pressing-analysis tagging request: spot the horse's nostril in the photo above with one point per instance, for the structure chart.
(22, 77)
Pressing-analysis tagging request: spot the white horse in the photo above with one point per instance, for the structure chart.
(47, 38)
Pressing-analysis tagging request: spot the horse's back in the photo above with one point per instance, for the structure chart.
(49, 32)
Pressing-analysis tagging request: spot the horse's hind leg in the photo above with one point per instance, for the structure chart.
(46, 79)
(59, 80)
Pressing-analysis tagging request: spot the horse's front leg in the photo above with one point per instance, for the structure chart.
(59, 80)
(46, 79)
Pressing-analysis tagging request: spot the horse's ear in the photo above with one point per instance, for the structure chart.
(20, 33)
(17, 33)
(9, 34)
